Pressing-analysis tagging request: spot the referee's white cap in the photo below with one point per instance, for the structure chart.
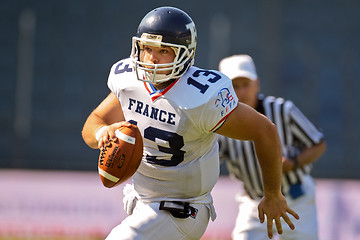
(238, 66)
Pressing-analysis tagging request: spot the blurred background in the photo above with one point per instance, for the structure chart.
(55, 59)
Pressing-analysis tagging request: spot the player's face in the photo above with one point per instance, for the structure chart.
(246, 90)
(157, 55)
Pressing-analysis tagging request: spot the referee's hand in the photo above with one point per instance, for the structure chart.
(275, 207)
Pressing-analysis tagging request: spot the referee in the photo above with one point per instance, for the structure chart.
(302, 144)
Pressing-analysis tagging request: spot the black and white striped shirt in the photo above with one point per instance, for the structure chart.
(296, 134)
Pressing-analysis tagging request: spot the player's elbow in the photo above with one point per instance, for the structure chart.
(89, 140)
(88, 135)
(268, 135)
(269, 130)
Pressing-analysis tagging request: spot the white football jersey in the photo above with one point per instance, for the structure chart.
(181, 159)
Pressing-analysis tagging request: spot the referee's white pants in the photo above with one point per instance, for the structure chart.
(248, 226)
(147, 222)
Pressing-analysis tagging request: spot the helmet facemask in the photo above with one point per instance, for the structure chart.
(148, 72)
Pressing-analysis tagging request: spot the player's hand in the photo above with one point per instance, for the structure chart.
(274, 208)
(109, 133)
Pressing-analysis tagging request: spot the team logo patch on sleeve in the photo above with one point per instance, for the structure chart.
(225, 100)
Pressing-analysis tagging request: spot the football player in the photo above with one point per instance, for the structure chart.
(178, 108)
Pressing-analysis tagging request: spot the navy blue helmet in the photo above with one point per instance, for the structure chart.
(166, 27)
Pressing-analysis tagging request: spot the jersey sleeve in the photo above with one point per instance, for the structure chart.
(112, 78)
(120, 76)
(220, 105)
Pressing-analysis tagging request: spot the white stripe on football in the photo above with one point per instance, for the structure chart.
(108, 176)
(124, 137)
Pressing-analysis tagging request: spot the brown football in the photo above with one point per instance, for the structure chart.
(119, 160)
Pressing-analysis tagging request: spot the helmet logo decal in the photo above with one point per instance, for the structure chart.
(191, 27)
(153, 37)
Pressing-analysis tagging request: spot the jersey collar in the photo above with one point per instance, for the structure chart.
(155, 93)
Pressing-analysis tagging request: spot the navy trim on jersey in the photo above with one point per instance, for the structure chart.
(221, 122)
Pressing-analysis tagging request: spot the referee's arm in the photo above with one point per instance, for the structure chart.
(307, 156)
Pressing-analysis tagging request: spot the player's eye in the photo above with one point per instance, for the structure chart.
(147, 49)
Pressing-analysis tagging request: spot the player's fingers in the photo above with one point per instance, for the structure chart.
(269, 227)
(292, 212)
(103, 140)
(288, 221)
(100, 145)
(114, 127)
(112, 134)
(261, 215)
(278, 225)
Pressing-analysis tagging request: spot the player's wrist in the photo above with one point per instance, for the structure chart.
(99, 132)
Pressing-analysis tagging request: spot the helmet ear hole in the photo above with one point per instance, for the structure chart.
(186, 66)
(181, 53)
(165, 26)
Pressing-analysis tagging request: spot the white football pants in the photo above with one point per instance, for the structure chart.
(147, 222)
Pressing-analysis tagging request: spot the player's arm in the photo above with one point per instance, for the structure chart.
(108, 113)
(245, 123)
